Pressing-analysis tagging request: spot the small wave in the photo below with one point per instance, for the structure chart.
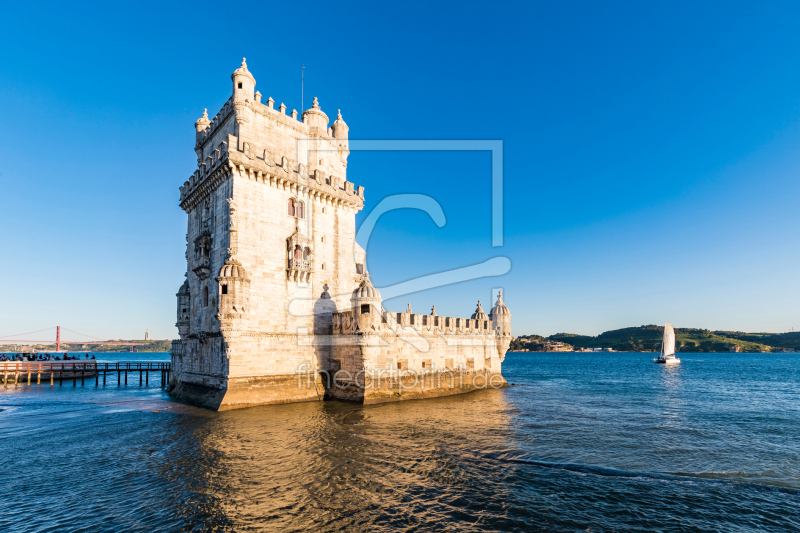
(602, 471)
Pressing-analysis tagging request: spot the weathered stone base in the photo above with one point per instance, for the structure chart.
(430, 385)
(410, 386)
(236, 393)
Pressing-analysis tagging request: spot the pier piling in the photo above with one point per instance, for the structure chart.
(72, 369)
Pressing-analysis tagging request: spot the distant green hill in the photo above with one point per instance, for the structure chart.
(648, 338)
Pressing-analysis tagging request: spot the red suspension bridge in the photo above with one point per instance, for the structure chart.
(58, 336)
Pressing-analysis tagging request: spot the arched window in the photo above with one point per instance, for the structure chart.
(290, 209)
(298, 252)
(301, 209)
(306, 254)
(205, 296)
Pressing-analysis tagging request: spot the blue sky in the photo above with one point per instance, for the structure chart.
(651, 152)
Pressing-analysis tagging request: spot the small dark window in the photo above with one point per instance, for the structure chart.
(365, 309)
(359, 268)
(184, 310)
(301, 210)
(225, 289)
(240, 85)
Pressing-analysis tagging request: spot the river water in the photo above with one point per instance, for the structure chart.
(581, 442)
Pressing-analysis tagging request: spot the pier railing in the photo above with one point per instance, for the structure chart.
(17, 371)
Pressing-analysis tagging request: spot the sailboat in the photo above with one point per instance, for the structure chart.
(667, 356)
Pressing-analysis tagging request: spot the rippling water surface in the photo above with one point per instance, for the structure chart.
(599, 442)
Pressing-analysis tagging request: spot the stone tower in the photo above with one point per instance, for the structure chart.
(271, 236)
(276, 295)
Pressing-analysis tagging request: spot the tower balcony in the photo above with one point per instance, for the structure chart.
(299, 270)
(203, 268)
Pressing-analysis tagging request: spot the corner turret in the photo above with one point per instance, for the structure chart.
(501, 317)
(244, 84)
(184, 301)
(202, 123)
(234, 293)
(367, 306)
(315, 118)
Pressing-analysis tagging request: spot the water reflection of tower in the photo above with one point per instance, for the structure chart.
(253, 465)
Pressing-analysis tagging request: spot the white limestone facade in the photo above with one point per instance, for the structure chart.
(272, 265)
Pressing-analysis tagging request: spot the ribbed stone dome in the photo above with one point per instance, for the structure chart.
(315, 116)
(242, 71)
(233, 269)
(184, 290)
(479, 314)
(500, 308)
(366, 290)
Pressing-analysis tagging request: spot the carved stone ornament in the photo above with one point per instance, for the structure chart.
(285, 164)
(233, 219)
(248, 151)
(269, 158)
(302, 170)
(348, 187)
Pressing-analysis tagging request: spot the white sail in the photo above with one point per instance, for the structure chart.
(669, 341)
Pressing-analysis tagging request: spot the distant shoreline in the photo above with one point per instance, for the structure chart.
(588, 352)
(648, 339)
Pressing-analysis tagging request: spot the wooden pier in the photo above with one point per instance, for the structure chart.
(21, 371)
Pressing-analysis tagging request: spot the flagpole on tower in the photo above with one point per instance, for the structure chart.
(302, 81)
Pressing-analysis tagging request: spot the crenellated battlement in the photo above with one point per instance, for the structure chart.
(344, 323)
(263, 165)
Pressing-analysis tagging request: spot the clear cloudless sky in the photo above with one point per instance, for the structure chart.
(651, 152)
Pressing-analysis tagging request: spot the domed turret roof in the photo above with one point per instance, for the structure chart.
(479, 314)
(232, 269)
(203, 121)
(500, 308)
(184, 290)
(339, 120)
(242, 71)
(315, 110)
(366, 290)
